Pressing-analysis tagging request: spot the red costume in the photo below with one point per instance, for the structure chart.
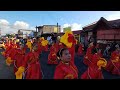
(95, 58)
(7, 51)
(80, 50)
(113, 66)
(60, 46)
(12, 53)
(64, 71)
(54, 48)
(32, 65)
(92, 73)
(39, 48)
(72, 52)
(114, 54)
(88, 56)
(18, 59)
(52, 57)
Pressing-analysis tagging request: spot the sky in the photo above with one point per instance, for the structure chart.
(11, 21)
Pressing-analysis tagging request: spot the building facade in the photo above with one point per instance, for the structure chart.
(103, 31)
(48, 29)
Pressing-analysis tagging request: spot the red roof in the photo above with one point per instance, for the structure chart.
(77, 32)
(111, 24)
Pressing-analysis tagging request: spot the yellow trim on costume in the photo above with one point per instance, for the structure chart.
(9, 61)
(53, 54)
(69, 76)
(3, 53)
(19, 72)
(101, 63)
(74, 70)
(44, 42)
(115, 60)
(60, 43)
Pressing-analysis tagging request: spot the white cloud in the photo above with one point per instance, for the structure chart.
(32, 28)
(66, 25)
(74, 26)
(4, 22)
(6, 27)
(21, 25)
(113, 16)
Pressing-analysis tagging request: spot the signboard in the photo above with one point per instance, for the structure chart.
(67, 29)
(55, 29)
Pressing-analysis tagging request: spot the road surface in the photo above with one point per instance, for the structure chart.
(6, 72)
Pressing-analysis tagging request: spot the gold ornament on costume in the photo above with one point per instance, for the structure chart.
(69, 76)
(44, 42)
(19, 72)
(9, 61)
(101, 63)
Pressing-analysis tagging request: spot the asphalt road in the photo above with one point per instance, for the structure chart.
(48, 70)
(6, 72)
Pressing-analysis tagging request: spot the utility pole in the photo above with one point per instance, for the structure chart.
(57, 27)
(36, 28)
(36, 32)
(0, 31)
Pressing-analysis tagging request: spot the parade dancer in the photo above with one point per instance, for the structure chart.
(95, 71)
(65, 69)
(52, 57)
(69, 40)
(88, 57)
(31, 66)
(80, 50)
(19, 57)
(113, 65)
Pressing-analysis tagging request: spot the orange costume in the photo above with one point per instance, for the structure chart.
(65, 71)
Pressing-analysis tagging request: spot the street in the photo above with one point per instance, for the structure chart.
(6, 72)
